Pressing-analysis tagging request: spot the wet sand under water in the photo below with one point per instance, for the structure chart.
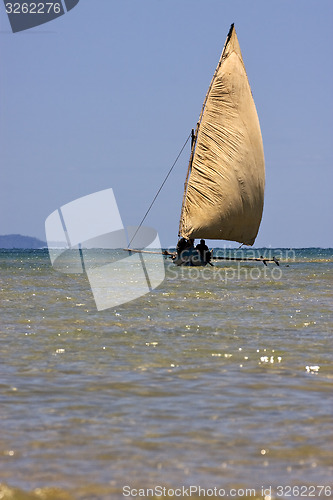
(219, 378)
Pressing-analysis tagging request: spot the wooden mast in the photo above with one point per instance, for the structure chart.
(195, 134)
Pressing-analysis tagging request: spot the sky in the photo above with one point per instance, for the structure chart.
(106, 95)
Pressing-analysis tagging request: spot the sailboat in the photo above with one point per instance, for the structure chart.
(224, 187)
(225, 182)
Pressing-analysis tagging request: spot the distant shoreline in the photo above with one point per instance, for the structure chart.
(13, 241)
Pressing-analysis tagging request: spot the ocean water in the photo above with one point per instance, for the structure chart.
(220, 378)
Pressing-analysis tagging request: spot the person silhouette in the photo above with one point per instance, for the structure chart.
(203, 250)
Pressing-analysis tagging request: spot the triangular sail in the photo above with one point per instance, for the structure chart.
(224, 194)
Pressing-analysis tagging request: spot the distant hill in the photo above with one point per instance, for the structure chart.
(18, 241)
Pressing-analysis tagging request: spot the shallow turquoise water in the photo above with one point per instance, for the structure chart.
(219, 377)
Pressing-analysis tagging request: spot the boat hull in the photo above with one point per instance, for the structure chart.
(189, 258)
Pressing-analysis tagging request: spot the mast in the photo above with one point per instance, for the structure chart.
(195, 136)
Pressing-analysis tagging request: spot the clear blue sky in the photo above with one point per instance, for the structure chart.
(106, 95)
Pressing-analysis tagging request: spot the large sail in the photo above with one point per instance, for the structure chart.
(224, 194)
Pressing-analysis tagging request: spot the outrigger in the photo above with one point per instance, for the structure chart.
(188, 259)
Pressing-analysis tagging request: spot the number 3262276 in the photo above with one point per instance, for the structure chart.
(303, 491)
(33, 8)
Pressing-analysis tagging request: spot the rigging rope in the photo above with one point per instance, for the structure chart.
(158, 192)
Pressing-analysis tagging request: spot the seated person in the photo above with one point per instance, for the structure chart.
(203, 249)
(184, 244)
